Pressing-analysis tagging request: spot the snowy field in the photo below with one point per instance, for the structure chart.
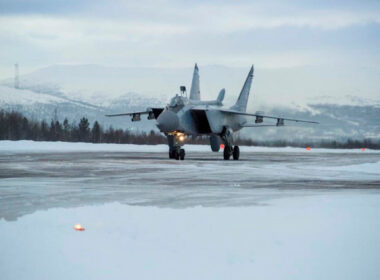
(279, 213)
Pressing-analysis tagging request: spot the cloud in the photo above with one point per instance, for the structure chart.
(178, 33)
(218, 16)
(43, 7)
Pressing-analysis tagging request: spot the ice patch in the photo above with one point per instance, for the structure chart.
(331, 236)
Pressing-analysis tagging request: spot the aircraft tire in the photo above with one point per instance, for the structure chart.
(182, 154)
(227, 153)
(236, 153)
(171, 154)
(176, 154)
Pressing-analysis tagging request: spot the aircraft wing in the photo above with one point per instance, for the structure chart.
(152, 113)
(257, 125)
(128, 114)
(260, 117)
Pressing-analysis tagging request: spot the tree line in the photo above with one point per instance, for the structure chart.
(15, 126)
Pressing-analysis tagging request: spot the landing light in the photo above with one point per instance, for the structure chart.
(79, 227)
(181, 137)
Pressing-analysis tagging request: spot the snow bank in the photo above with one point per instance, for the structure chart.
(331, 236)
(46, 147)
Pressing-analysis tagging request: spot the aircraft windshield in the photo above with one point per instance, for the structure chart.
(176, 101)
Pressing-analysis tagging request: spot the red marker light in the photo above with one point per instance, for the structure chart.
(78, 227)
(222, 146)
(363, 149)
(308, 148)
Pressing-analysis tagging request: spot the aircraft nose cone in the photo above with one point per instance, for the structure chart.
(167, 121)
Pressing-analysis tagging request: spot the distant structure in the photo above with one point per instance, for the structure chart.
(17, 79)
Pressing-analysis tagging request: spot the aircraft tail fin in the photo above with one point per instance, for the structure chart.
(241, 103)
(195, 92)
(221, 96)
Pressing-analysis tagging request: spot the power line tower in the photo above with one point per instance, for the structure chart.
(17, 79)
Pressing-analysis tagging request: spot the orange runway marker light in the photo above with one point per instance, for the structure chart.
(363, 149)
(78, 227)
(308, 148)
(222, 146)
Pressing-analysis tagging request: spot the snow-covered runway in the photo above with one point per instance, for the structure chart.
(43, 175)
(276, 214)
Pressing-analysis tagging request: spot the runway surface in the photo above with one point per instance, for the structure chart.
(37, 181)
(278, 213)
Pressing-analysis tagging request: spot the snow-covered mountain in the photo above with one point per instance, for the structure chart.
(47, 103)
(93, 91)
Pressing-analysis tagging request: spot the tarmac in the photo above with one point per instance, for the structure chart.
(40, 181)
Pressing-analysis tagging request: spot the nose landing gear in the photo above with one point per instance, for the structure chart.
(176, 141)
(182, 154)
(178, 154)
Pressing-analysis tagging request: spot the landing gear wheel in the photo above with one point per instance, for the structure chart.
(176, 154)
(171, 154)
(182, 154)
(227, 153)
(236, 153)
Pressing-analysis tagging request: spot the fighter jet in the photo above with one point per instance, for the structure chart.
(189, 116)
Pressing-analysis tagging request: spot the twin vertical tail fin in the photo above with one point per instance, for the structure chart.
(195, 92)
(241, 103)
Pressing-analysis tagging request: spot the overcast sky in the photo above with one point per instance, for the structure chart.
(165, 33)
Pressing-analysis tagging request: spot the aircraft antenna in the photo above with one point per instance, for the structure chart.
(183, 91)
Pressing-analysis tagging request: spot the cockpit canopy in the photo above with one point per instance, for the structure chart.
(177, 102)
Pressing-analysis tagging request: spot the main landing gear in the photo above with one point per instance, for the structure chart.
(231, 151)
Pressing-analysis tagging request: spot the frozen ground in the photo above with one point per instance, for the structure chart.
(275, 214)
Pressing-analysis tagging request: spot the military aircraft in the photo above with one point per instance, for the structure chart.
(184, 117)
